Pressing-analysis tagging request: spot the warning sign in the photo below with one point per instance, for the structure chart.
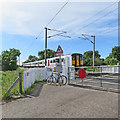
(59, 50)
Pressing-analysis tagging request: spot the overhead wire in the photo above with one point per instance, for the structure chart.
(106, 32)
(98, 19)
(47, 24)
(55, 15)
(101, 16)
(87, 19)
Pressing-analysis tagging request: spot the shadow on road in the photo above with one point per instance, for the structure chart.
(37, 90)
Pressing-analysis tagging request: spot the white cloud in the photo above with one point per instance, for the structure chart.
(27, 18)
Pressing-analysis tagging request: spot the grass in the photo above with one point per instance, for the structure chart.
(31, 88)
(6, 80)
(91, 69)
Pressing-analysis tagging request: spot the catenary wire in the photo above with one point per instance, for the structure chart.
(48, 24)
(98, 19)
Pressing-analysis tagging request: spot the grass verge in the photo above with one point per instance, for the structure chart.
(6, 80)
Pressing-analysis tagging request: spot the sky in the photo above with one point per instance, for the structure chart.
(22, 22)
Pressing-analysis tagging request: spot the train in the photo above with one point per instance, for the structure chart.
(73, 59)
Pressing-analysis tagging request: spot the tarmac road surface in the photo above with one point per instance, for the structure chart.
(64, 102)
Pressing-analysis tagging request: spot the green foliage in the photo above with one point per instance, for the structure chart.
(113, 57)
(29, 90)
(116, 52)
(50, 54)
(31, 59)
(111, 61)
(7, 96)
(7, 80)
(88, 58)
(9, 59)
(39, 81)
(99, 61)
(91, 69)
(0, 62)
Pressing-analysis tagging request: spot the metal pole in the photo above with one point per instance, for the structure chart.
(68, 76)
(19, 60)
(20, 83)
(45, 46)
(93, 53)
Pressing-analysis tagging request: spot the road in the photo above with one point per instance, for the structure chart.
(64, 102)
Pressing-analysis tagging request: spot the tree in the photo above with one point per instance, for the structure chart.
(88, 58)
(99, 61)
(113, 57)
(111, 61)
(31, 58)
(0, 62)
(50, 54)
(9, 59)
(116, 52)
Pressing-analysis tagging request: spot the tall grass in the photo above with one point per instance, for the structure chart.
(7, 79)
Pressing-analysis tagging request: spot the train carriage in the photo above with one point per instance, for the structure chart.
(75, 59)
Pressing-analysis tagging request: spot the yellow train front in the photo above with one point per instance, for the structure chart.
(77, 60)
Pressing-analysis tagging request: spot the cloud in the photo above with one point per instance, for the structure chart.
(27, 18)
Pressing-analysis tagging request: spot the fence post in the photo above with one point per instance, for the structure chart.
(20, 83)
(68, 76)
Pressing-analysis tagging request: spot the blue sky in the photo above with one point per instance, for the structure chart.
(23, 21)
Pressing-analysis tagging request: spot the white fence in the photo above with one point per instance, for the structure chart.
(110, 69)
(33, 74)
(30, 76)
(105, 68)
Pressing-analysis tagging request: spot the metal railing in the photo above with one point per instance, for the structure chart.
(99, 79)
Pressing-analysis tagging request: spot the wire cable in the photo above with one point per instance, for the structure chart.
(57, 13)
(98, 19)
(85, 20)
(48, 24)
(54, 16)
(106, 32)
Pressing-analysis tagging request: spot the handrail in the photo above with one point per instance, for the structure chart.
(20, 85)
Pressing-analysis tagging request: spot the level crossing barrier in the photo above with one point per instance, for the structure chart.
(103, 77)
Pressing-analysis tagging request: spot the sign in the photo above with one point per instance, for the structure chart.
(59, 68)
(82, 73)
(59, 49)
